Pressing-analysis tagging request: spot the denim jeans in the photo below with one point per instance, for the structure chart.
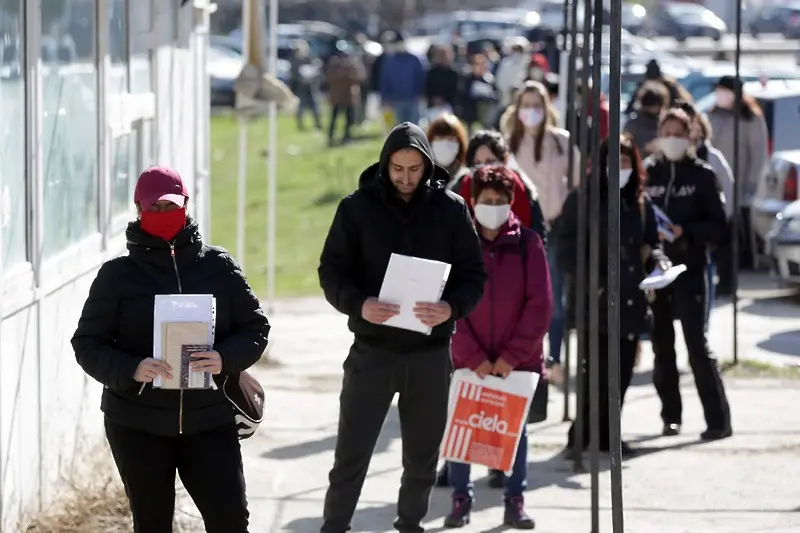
(516, 483)
(555, 335)
(406, 111)
(711, 273)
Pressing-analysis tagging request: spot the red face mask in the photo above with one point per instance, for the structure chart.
(164, 224)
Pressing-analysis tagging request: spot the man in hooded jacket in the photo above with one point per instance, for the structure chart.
(401, 206)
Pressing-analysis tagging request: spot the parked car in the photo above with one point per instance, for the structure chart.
(633, 16)
(783, 244)
(224, 62)
(682, 20)
(783, 19)
(776, 190)
(701, 82)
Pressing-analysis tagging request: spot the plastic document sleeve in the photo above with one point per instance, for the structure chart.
(486, 418)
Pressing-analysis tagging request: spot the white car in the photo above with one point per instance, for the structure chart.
(776, 190)
(783, 244)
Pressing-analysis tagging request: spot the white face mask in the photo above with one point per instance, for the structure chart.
(725, 98)
(444, 151)
(492, 217)
(674, 148)
(531, 116)
(624, 176)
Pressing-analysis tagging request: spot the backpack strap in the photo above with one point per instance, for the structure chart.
(646, 249)
(523, 254)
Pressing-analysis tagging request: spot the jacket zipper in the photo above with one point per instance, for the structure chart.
(669, 185)
(491, 306)
(180, 291)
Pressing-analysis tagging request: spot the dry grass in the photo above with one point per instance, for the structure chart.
(92, 500)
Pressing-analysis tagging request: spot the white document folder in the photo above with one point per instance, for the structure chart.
(409, 280)
(658, 279)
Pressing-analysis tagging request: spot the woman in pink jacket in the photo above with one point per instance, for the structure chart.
(506, 331)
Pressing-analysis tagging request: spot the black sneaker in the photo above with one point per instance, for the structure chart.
(497, 480)
(442, 477)
(515, 515)
(459, 513)
(671, 430)
(716, 434)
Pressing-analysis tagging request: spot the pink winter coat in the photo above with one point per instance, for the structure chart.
(513, 316)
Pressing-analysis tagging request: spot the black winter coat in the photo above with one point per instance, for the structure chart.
(115, 330)
(442, 83)
(687, 192)
(372, 223)
(639, 253)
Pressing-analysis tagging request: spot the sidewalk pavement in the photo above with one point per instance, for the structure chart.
(740, 485)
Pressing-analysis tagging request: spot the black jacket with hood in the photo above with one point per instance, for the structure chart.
(687, 192)
(372, 223)
(115, 330)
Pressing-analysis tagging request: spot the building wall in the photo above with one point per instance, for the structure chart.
(91, 92)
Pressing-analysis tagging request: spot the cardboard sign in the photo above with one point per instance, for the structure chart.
(486, 417)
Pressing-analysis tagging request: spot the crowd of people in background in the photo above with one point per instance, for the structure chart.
(496, 139)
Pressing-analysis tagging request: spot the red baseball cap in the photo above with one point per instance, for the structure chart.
(160, 183)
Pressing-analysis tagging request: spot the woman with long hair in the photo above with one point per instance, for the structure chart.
(685, 189)
(753, 149)
(542, 151)
(448, 138)
(640, 252)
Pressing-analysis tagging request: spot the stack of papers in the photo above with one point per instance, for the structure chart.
(664, 224)
(658, 279)
(183, 324)
(409, 280)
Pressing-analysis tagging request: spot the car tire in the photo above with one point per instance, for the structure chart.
(717, 36)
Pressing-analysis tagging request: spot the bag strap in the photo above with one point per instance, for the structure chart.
(523, 254)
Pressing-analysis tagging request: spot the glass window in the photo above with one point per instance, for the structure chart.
(140, 28)
(13, 189)
(118, 87)
(69, 123)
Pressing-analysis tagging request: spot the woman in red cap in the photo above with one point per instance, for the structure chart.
(154, 432)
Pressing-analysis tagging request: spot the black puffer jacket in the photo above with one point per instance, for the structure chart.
(115, 331)
(687, 192)
(639, 253)
(372, 223)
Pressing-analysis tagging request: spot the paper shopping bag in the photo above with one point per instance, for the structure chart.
(486, 417)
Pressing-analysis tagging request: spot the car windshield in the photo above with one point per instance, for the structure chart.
(686, 11)
(220, 53)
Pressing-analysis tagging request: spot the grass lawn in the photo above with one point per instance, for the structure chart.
(312, 178)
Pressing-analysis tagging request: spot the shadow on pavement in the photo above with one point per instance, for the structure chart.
(390, 432)
(785, 343)
(777, 307)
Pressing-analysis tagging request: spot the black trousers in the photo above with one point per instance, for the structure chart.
(210, 467)
(371, 379)
(685, 300)
(627, 358)
(349, 115)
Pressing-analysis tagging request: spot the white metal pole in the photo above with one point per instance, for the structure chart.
(272, 153)
(242, 193)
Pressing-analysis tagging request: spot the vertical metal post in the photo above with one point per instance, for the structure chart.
(614, 395)
(737, 185)
(272, 151)
(571, 123)
(594, 273)
(583, 203)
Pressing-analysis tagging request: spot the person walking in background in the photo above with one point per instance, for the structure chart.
(401, 206)
(505, 331)
(643, 123)
(640, 252)
(685, 188)
(154, 432)
(753, 152)
(402, 81)
(721, 266)
(512, 70)
(478, 94)
(304, 83)
(541, 151)
(448, 139)
(345, 74)
(441, 83)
